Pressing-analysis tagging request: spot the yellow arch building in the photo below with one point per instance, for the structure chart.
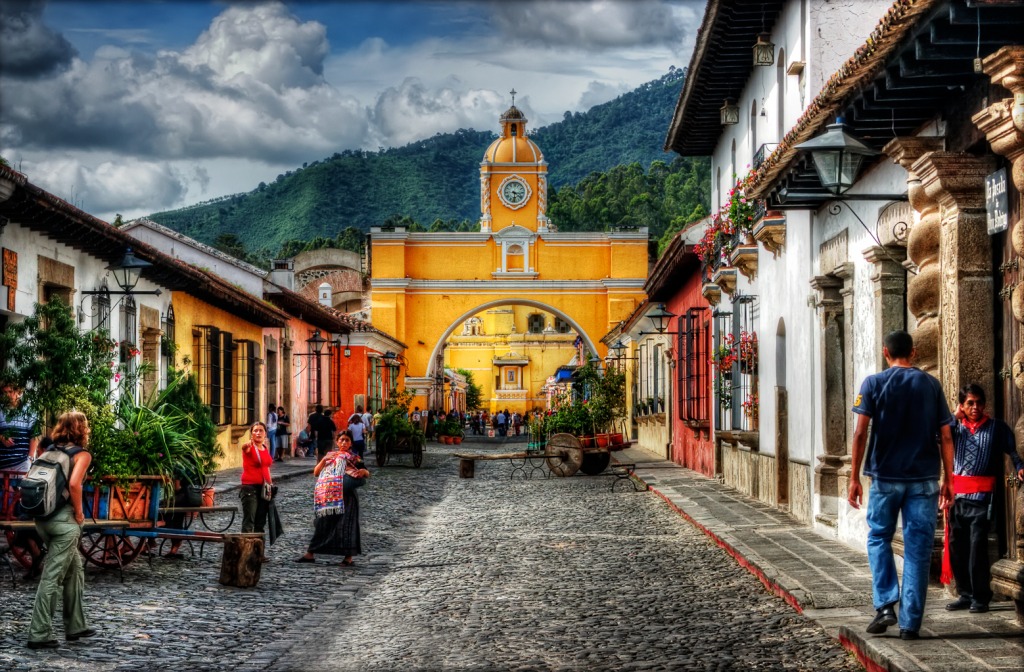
(425, 286)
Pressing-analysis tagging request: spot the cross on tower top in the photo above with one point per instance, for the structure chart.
(513, 92)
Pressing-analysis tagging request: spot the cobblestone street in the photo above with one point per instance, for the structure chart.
(456, 574)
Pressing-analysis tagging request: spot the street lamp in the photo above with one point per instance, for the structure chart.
(764, 50)
(837, 157)
(660, 317)
(126, 273)
(315, 344)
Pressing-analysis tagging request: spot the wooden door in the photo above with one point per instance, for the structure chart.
(1008, 274)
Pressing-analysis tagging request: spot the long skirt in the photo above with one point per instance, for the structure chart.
(338, 534)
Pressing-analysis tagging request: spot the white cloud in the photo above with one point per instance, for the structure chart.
(121, 185)
(258, 93)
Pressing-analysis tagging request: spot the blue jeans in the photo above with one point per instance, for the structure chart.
(272, 442)
(918, 502)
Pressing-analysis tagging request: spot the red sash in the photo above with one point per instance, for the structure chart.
(962, 485)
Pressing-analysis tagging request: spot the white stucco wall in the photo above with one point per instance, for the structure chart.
(88, 275)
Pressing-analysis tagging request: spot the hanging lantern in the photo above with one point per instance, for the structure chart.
(764, 50)
(730, 113)
(837, 157)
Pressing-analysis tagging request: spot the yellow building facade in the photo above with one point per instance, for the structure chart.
(425, 286)
(511, 352)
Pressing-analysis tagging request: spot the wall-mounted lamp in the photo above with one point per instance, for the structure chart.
(837, 157)
(729, 113)
(126, 273)
(347, 351)
(660, 318)
(764, 50)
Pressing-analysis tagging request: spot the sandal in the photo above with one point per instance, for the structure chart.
(174, 556)
(348, 563)
(303, 558)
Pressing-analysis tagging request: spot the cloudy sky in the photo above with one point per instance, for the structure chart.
(135, 107)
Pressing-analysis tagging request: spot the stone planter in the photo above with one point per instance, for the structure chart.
(725, 278)
(711, 292)
(770, 231)
(744, 258)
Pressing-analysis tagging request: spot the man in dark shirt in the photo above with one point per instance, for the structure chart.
(908, 412)
(979, 444)
(324, 429)
(17, 433)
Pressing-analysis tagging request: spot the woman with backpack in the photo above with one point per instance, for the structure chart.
(62, 572)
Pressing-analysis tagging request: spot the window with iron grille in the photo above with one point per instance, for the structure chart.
(246, 382)
(334, 364)
(561, 326)
(167, 341)
(692, 369)
(129, 341)
(206, 346)
(101, 312)
(734, 367)
(535, 323)
(227, 376)
(375, 387)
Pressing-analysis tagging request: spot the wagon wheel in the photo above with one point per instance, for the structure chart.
(382, 454)
(102, 549)
(417, 453)
(595, 463)
(566, 454)
(18, 549)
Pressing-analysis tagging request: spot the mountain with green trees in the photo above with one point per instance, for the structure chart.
(607, 169)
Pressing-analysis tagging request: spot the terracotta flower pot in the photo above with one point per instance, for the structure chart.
(208, 496)
(448, 440)
(617, 439)
(457, 440)
(602, 440)
(587, 441)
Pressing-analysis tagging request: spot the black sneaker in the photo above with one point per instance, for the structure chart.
(961, 604)
(978, 608)
(885, 617)
(909, 634)
(48, 644)
(74, 636)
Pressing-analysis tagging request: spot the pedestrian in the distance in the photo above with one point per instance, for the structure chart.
(908, 411)
(979, 444)
(284, 434)
(357, 430)
(336, 506)
(63, 576)
(324, 428)
(271, 425)
(256, 463)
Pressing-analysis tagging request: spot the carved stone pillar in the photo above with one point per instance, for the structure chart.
(922, 251)
(889, 282)
(956, 182)
(833, 384)
(1003, 126)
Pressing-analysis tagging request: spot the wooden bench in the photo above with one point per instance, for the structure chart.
(623, 472)
(199, 511)
(105, 528)
(467, 462)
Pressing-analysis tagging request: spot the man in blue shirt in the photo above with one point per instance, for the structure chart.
(909, 416)
(17, 433)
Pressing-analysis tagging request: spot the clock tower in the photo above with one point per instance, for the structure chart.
(514, 179)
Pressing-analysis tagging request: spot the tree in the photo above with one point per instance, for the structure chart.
(474, 393)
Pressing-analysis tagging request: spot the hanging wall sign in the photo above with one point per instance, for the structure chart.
(10, 276)
(997, 204)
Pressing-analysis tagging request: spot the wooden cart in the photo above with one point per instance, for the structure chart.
(402, 445)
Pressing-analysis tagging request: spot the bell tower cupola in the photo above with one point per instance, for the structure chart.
(513, 178)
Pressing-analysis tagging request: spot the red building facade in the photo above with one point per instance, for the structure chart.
(675, 281)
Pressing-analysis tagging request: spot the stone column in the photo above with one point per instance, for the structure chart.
(1003, 126)
(889, 282)
(922, 251)
(833, 384)
(956, 182)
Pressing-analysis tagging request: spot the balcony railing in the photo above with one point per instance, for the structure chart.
(762, 153)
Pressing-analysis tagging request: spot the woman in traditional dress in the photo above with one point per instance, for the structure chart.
(336, 530)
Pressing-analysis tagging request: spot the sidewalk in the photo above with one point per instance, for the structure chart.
(829, 582)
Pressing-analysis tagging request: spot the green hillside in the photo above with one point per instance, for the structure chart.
(434, 179)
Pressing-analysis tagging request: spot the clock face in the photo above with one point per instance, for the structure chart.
(514, 192)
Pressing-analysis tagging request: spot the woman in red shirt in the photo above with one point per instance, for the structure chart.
(256, 461)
